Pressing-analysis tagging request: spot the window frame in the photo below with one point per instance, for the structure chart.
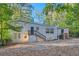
(49, 30)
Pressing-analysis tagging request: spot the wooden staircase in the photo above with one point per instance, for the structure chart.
(41, 36)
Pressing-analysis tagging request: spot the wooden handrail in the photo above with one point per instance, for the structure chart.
(40, 35)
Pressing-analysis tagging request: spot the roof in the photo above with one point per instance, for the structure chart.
(17, 22)
(35, 23)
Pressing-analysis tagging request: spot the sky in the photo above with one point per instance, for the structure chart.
(38, 7)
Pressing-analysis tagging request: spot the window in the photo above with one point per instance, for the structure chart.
(15, 35)
(37, 28)
(25, 35)
(51, 30)
(18, 35)
(47, 30)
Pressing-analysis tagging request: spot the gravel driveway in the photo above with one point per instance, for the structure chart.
(49, 48)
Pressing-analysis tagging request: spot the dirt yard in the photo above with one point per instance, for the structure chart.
(48, 48)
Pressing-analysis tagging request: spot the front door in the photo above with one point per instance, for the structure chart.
(32, 30)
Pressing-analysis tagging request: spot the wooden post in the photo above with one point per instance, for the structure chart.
(66, 34)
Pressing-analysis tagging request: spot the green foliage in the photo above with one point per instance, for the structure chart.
(64, 15)
(22, 12)
(10, 12)
(5, 15)
(5, 12)
(48, 8)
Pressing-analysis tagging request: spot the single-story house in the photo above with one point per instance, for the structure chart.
(33, 32)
